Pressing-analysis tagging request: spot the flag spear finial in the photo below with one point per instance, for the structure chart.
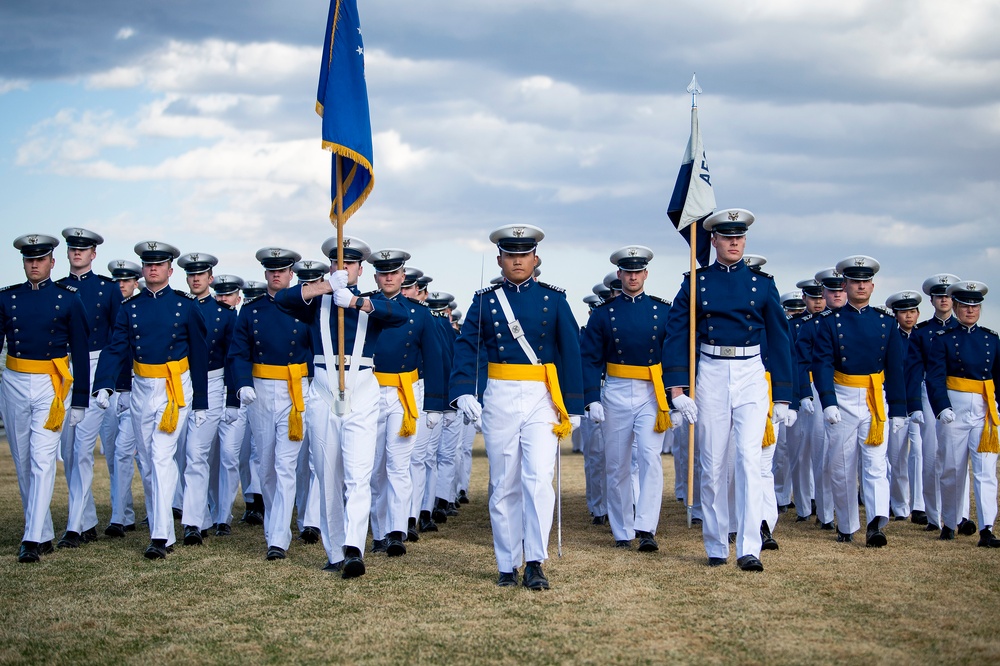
(695, 90)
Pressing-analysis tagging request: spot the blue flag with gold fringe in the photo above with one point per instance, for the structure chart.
(342, 101)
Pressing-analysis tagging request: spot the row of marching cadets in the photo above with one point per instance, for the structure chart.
(205, 399)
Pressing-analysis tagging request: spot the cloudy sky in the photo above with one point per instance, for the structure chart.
(847, 127)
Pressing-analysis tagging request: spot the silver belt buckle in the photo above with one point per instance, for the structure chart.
(727, 351)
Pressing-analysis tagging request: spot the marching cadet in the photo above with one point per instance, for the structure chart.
(343, 426)
(814, 425)
(918, 405)
(46, 330)
(856, 354)
(100, 300)
(162, 331)
(738, 311)
(905, 307)
(199, 440)
(442, 458)
(962, 366)
(788, 493)
(624, 341)
(126, 276)
(592, 445)
(410, 374)
(533, 397)
(249, 460)
(269, 360)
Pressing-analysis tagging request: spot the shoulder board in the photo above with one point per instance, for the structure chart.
(225, 306)
(756, 269)
(988, 330)
(660, 300)
(253, 300)
(807, 317)
(552, 287)
(66, 287)
(104, 277)
(132, 297)
(826, 313)
(369, 294)
(921, 324)
(185, 294)
(603, 303)
(11, 286)
(416, 301)
(883, 310)
(492, 287)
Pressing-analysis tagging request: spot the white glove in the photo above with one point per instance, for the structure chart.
(124, 401)
(342, 297)
(898, 423)
(470, 407)
(448, 418)
(947, 416)
(595, 412)
(779, 412)
(231, 415)
(246, 395)
(102, 398)
(917, 417)
(792, 417)
(432, 419)
(76, 415)
(687, 408)
(199, 417)
(807, 406)
(832, 414)
(338, 280)
(574, 421)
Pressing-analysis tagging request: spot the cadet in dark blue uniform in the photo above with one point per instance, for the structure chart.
(534, 397)
(162, 332)
(624, 341)
(101, 299)
(857, 354)
(904, 444)
(441, 458)
(42, 323)
(963, 364)
(737, 312)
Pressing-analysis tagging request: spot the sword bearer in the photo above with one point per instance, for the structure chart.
(623, 344)
(45, 327)
(533, 397)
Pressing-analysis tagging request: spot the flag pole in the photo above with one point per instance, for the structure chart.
(692, 319)
(339, 204)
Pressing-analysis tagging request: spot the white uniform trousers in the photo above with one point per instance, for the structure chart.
(630, 410)
(249, 466)
(915, 467)
(769, 505)
(668, 441)
(846, 448)
(780, 466)
(816, 440)
(732, 405)
(343, 451)
(594, 467)
(800, 471)
(197, 453)
(517, 425)
(931, 465)
(306, 492)
(157, 448)
(279, 456)
(464, 475)
(122, 511)
(26, 401)
(900, 444)
(231, 436)
(958, 442)
(679, 451)
(577, 441)
(392, 487)
(424, 450)
(447, 459)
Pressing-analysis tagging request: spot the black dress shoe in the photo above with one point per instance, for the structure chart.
(45, 547)
(192, 536)
(275, 553)
(114, 530)
(931, 527)
(918, 518)
(156, 550)
(144, 522)
(354, 566)
(767, 542)
(452, 510)
(874, 536)
(826, 526)
(782, 508)
(411, 530)
(801, 519)
(439, 515)
(716, 561)
(131, 527)
(507, 579)
(253, 517)
(28, 553)
(843, 537)
(647, 544)
(987, 540)
(335, 567)
(425, 523)
(732, 537)
(70, 540)
(223, 529)
(813, 507)
(310, 534)
(947, 534)
(394, 546)
(749, 563)
(89, 535)
(378, 545)
(695, 522)
(534, 579)
(178, 513)
(624, 544)
(967, 527)
(463, 497)
(600, 520)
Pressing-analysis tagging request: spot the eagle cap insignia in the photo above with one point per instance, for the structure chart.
(151, 245)
(275, 252)
(121, 264)
(909, 294)
(78, 232)
(33, 240)
(386, 254)
(943, 279)
(194, 257)
(734, 215)
(632, 252)
(518, 232)
(972, 286)
(347, 242)
(859, 261)
(307, 264)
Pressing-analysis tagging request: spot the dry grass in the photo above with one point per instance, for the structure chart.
(919, 600)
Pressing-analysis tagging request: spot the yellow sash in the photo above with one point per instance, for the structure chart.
(58, 371)
(537, 373)
(649, 373)
(988, 442)
(403, 382)
(292, 374)
(876, 404)
(172, 371)
(769, 437)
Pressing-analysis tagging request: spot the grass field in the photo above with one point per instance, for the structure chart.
(918, 600)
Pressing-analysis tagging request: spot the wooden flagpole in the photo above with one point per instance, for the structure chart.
(692, 319)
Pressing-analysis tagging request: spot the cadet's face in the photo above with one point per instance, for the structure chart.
(633, 281)
(729, 249)
(232, 299)
(278, 280)
(39, 268)
(410, 291)
(517, 267)
(942, 305)
(907, 319)
(199, 283)
(389, 282)
(127, 287)
(968, 314)
(157, 275)
(815, 305)
(835, 298)
(81, 258)
(859, 292)
(354, 270)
